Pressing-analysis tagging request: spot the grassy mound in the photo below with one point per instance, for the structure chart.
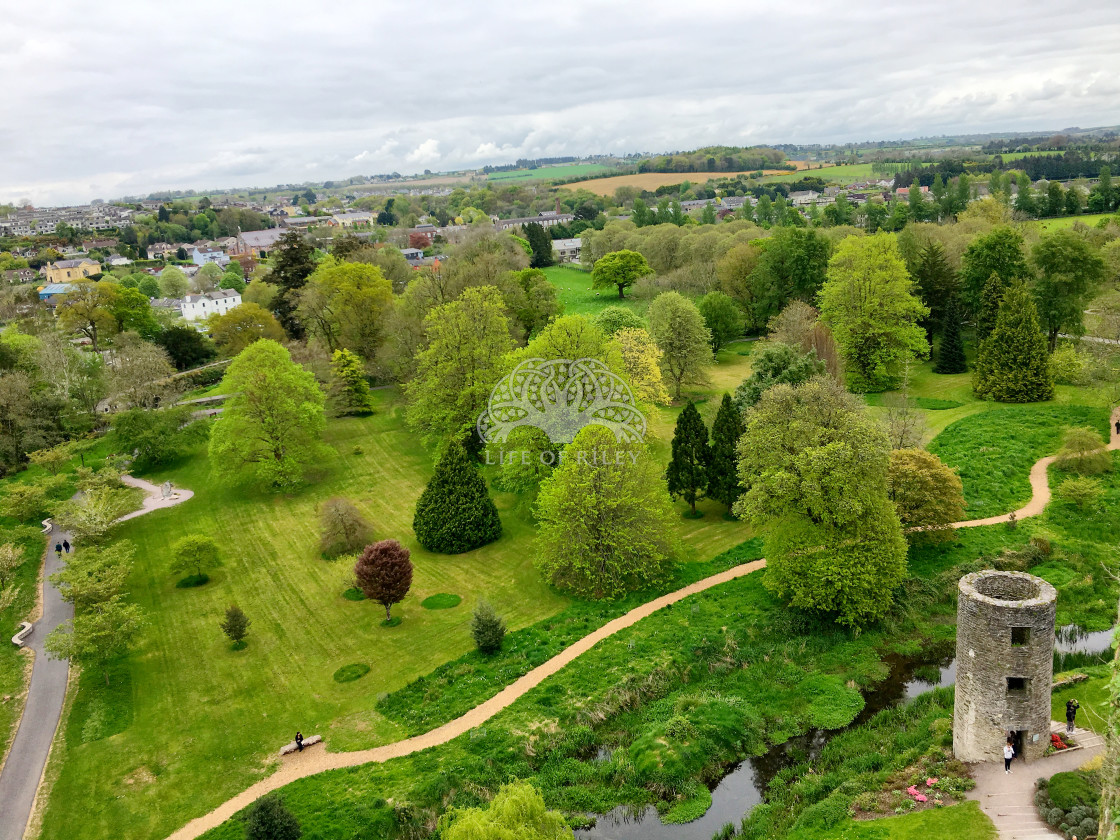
(441, 601)
(349, 673)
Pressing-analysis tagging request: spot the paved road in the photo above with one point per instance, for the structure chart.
(19, 779)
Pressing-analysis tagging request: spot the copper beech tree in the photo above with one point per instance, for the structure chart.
(384, 573)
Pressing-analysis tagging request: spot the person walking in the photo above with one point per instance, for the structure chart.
(1118, 427)
(58, 549)
(1071, 714)
(66, 546)
(299, 741)
(1008, 754)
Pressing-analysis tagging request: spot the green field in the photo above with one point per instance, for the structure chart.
(844, 174)
(547, 173)
(1063, 222)
(1020, 155)
(573, 286)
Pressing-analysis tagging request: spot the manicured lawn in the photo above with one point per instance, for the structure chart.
(546, 173)
(956, 822)
(574, 289)
(203, 722)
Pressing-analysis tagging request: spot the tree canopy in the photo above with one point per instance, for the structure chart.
(1012, 364)
(455, 512)
(619, 268)
(684, 340)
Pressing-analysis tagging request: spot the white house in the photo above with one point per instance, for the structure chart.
(567, 250)
(199, 307)
(201, 256)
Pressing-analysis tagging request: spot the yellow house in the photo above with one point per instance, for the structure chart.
(67, 271)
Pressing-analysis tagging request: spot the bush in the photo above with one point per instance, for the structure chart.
(270, 819)
(1083, 452)
(487, 628)
(1069, 366)
(343, 529)
(1082, 492)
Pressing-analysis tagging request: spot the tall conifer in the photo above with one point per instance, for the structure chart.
(455, 512)
(950, 355)
(723, 477)
(1013, 365)
(687, 475)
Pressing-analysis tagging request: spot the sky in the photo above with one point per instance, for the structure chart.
(122, 98)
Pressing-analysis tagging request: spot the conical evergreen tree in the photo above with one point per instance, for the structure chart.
(349, 388)
(687, 475)
(990, 299)
(950, 355)
(723, 472)
(455, 512)
(937, 285)
(1013, 365)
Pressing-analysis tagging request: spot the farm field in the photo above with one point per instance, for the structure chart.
(1020, 155)
(843, 174)
(652, 180)
(1063, 222)
(546, 173)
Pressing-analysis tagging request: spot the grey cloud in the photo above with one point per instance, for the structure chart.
(132, 97)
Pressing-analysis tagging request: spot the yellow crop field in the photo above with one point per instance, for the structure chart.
(652, 180)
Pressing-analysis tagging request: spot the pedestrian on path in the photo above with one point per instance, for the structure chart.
(1071, 714)
(1008, 754)
(299, 740)
(66, 546)
(1118, 427)
(58, 549)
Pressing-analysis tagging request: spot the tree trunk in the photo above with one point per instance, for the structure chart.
(1053, 344)
(387, 616)
(620, 295)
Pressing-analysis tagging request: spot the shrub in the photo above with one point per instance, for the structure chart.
(1069, 366)
(1082, 492)
(487, 628)
(1083, 452)
(270, 819)
(455, 512)
(343, 529)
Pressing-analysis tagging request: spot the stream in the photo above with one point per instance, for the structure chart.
(742, 788)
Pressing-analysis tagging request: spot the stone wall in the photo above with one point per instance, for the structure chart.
(1005, 647)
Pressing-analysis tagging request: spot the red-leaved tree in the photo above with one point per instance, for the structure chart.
(384, 573)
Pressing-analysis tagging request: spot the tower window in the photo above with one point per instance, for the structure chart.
(1016, 684)
(1020, 636)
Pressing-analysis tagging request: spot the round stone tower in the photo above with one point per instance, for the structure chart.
(1005, 650)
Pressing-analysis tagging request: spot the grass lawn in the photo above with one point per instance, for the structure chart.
(1093, 696)
(546, 173)
(573, 286)
(956, 822)
(189, 722)
(844, 174)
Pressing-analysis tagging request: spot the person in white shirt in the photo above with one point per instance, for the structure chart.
(1008, 754)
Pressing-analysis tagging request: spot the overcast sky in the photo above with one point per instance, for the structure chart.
(113, 98)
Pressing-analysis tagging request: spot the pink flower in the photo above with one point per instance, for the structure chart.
(930, 782)
(921, 797)
(912, 790)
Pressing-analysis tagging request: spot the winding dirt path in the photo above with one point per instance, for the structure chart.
(316, 760)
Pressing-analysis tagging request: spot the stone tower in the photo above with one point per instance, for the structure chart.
(1005, 650)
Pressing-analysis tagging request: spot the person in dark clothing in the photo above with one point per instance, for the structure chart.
(1071, 714)
(1118, 427)
(58, 549)
(299, 741)
(66, 546)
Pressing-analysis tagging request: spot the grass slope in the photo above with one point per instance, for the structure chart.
(957, 821)
(545, 173)
(573, 286)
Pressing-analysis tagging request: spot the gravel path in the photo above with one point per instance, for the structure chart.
(316, 759)
(23, 770)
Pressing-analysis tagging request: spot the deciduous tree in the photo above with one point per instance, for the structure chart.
(94, 575)
(468, 339)
(869, 305)
(270, 428)
(999, 252)
(152, 437)
(87, 308)
(173, 283)
(235, 625)
(606, 520)
(345, 305)
(94, 638)
(776, 364)
(722, 318)
(925, 492)
(814, 468)
(384, 573)
(243, 325)
(193, 554)
(641, 360)
(342, 528)
(611, 319)
(349, 387)
(685, 342)
(517, 812)
(1084, 452)
(1069, 272)
(619, 268)
(455, 512)
(89, 517)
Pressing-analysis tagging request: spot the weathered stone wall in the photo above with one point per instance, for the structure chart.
(1005, 629)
